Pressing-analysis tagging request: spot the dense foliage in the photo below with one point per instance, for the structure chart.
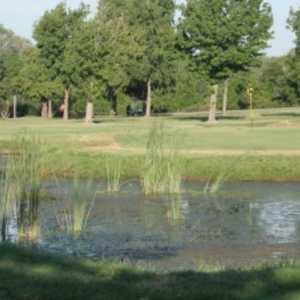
(148, 56)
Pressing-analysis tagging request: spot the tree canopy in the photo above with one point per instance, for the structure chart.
(225, 37)
(139, 53)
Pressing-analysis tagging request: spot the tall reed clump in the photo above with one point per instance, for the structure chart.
(162, 170)
(213, 187)
(27, 167)
(113, 169)
(174, 213)
(6, 198)
(79, 204)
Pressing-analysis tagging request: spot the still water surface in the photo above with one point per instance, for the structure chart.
(245, 223)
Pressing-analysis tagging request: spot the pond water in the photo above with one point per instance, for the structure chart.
(245, 223)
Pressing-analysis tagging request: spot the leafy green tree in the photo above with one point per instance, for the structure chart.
(53, 33)
(37, 85)
(12, 48)
(274, 80)
(224, 37)
(154, 22)
(294, 57)
(100, 58)
(181, 90)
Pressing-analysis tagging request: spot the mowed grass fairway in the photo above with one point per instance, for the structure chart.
(266, 148)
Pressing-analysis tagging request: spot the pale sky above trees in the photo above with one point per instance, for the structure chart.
(20, 15)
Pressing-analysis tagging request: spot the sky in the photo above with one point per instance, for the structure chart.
(20, 16)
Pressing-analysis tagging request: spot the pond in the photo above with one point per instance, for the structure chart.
(243, 224)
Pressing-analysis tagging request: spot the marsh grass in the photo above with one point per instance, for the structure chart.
(6, 198)
(21, 184)
(214, 186)
(162, 168)
(203, 266)
(28, 166)
(174, 213)
(77, 208)
(113, 167)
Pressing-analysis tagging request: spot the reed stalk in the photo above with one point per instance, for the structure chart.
(79, 204)
(213, 187)
(113, 174)
(162, 171)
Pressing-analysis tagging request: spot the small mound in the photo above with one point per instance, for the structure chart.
(99, 142)
(284, 124)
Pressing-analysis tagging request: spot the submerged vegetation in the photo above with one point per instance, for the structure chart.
(113, 166)
(21, 185)
(77, 208)
(6, 198)
(28, 165)
(212, 187)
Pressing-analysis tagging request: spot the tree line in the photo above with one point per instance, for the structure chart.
(155, 55)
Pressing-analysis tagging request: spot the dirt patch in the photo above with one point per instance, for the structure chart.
(285, 124)
(197, 152)
(98, 142)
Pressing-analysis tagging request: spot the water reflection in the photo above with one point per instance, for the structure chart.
(280, 220)
(174, 210)
(245, 222)
(21, 224)
(28, 220)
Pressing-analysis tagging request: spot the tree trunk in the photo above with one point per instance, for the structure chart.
(44, 112)
(149, 99)
(66, 104)
(89, 112)
(15, 107)
(3, 229)
(50, 113)
(225, 96)
(213, 104)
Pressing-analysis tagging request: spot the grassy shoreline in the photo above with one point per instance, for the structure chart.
(233, 168)
(31, 274)
(269, 151)
(272, 168)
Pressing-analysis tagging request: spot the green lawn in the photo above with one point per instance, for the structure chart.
(268, 149)
(277, 130)
(26, 275)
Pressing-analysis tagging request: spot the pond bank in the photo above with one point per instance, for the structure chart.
(233, 168)
(29, 274)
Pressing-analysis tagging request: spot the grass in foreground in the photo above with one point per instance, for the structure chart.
(33, 275)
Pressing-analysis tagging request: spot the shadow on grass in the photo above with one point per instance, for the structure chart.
(34, 275)
(205, 118)
(283, 114)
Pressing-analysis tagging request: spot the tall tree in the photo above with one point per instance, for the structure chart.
(100, 58)
(12, 48)
(37, 85)
(53, 33)
(154, 19)
(224, 37)
(294, 57)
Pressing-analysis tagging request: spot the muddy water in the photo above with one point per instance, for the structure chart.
(245, 223)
